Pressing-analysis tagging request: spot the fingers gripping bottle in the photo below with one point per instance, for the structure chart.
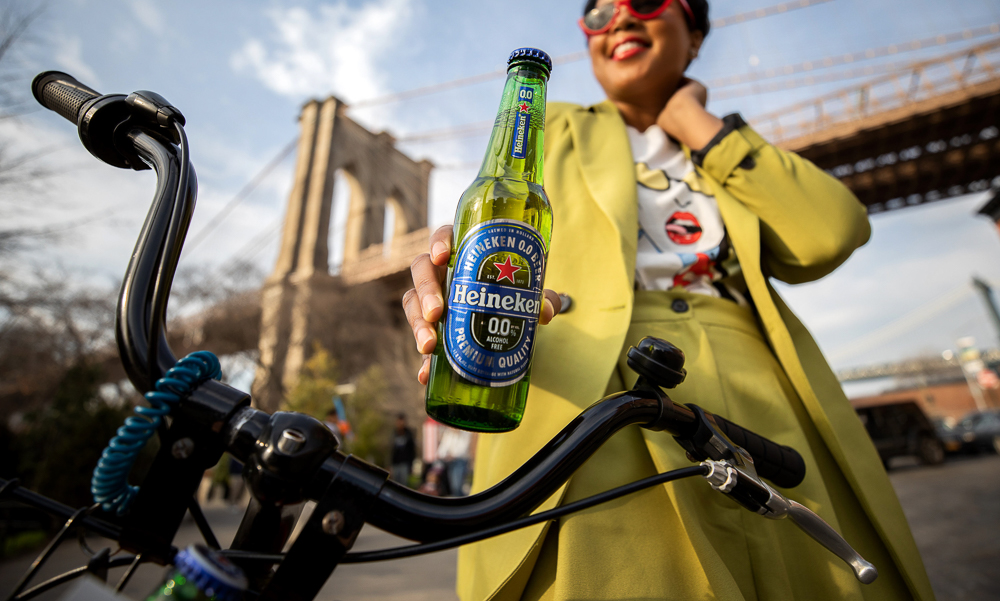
(480, 370)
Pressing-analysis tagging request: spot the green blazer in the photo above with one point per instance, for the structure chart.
(786, 218)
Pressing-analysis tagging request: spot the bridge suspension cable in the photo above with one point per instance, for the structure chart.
(462, 131)
(902, 324)
(768, 11)
(854, 57)
(812, 80)
(483, 127)
(240, 196)
(254, 246)
(936, 75)
(888, 71)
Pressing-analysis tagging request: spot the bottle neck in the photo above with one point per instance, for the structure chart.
(515, 149)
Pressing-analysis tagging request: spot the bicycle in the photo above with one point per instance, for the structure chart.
(290, 458)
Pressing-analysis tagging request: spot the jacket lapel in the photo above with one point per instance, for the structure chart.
(608, 171)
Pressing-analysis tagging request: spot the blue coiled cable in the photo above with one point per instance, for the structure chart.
(110, 485)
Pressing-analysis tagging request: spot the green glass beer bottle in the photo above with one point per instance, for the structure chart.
(480, 370)
(201, 575)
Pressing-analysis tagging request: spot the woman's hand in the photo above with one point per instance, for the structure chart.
(684, 117)
(424, 303)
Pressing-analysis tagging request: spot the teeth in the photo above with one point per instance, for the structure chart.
(622, 48)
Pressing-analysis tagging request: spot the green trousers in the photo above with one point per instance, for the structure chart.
(683, 540)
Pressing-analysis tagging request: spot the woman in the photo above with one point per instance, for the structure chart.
(669, 222)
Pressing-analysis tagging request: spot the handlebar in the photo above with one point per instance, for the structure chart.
(410, 514)
(661, 365)
(139, 131)
(780, 464)
(62, 93)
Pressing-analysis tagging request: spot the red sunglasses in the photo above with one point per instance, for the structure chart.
(599, 20)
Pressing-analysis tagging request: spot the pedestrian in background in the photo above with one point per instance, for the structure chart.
(237, 486)
(341, 428)
(403, 451)
(454, 451)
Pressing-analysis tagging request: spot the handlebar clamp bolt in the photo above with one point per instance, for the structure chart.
(333, 523)
(291, 441)
(182, 448)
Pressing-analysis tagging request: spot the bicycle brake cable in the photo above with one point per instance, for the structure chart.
(531, 520)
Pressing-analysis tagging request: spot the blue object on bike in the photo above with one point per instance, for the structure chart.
(109, 484)
(212, 573)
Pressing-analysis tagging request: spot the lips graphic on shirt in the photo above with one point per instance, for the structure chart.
(683, 228)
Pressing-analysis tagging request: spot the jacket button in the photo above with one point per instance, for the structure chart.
(679, 305)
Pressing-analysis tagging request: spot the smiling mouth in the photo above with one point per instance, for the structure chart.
(627, 49)
(683, 228)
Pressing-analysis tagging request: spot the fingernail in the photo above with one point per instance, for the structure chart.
(430, 303)
(423, 337)
(439, 249)
(548, 306)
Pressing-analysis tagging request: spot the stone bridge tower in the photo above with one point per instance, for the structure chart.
(379, 176)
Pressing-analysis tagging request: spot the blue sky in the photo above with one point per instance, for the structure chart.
(240, 71)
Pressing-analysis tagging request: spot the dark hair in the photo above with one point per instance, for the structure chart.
(698, 7)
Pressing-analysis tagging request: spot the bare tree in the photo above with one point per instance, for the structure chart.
(15, 23)
(46, 327)
(18, 169)
(216, 309)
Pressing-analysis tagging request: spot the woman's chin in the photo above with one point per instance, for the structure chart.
(627, 80)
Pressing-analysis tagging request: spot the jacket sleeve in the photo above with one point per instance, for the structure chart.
(810, 222)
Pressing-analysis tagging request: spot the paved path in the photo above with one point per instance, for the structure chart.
(954, 511)
(423, 578)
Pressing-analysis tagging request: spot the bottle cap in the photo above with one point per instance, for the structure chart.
(212, 573)
(530, 55)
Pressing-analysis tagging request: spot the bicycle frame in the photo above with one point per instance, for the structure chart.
(290, 457)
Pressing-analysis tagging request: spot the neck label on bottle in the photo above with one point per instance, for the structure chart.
(494, 302)
(522, 122)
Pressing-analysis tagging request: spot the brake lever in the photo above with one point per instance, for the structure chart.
(738, 478)
(731, 471)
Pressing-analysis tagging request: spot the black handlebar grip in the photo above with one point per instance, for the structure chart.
(62, 93)
(780, 464)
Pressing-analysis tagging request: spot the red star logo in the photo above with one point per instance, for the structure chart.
(507, 270)
(524, 107)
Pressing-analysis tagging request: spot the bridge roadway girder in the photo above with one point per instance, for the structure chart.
(927, 366)
(929, 150)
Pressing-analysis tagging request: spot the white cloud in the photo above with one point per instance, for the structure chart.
(97, 209)
(336, 49)
(148, 14)
(69, 56)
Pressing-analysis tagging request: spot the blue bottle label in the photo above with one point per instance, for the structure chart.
(494, 302)
(522, 122)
